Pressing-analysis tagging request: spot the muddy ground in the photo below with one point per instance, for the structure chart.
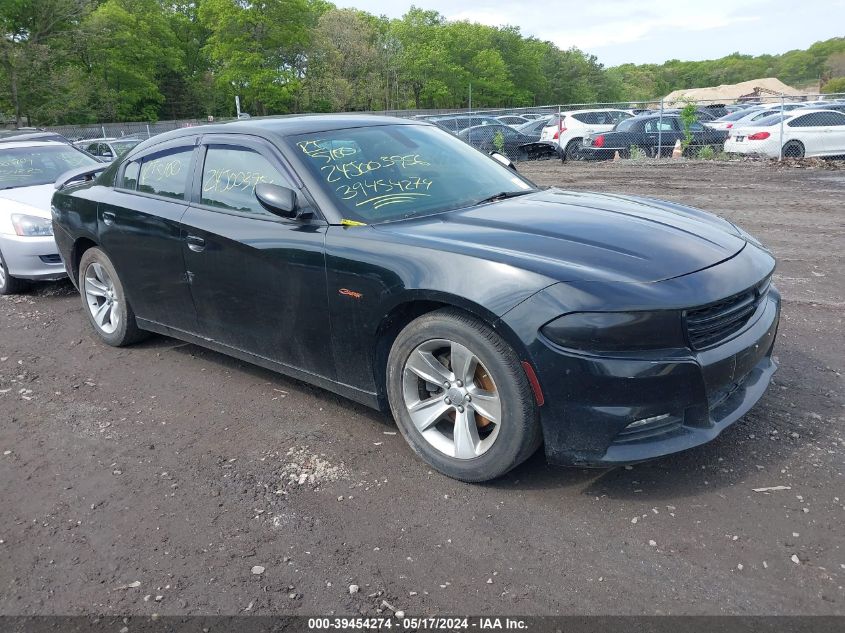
(179, 469)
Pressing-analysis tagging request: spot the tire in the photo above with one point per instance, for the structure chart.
(793, 149)
(497, 386)
(9, 285)
(571, 152)
(104, 300)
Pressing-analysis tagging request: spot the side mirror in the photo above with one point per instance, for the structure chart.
(277, 200)
(507, 162)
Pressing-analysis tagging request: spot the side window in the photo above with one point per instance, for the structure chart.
(166, 174)
(130, 176)
(93, 148)
(803, 121)
(229, 177)
(829, 118)
(695, 126)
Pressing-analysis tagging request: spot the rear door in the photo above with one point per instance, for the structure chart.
(139, 225)
(807, 130)
(258, 280)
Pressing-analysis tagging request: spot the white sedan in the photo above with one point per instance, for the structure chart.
(799, 133)
(28, 170)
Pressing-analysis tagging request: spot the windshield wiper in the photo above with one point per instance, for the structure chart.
(503, 195)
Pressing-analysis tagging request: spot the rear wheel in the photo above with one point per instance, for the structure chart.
(460, 397)
(105, 301)
(793, 149)
(572, 150)
(9, 285)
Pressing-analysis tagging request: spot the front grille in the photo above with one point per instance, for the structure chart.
(51, 259)
(716, 321)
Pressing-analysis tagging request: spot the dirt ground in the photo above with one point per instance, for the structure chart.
(186, 472)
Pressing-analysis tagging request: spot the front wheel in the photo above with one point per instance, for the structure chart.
(9, 285)
(104, 300)
(460, 397)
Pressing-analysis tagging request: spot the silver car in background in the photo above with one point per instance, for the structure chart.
(28, 169)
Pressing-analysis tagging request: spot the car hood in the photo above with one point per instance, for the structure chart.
(32, 200)
(575, 236)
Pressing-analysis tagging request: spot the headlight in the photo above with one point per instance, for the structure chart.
(617, 331)
(32, 225)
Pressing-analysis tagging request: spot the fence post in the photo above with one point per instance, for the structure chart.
(148, 131)
(103, 128)
(660, 131)
(780, 151)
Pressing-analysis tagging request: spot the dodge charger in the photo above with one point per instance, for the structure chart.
(389, 262)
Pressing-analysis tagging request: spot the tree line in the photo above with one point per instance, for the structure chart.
(86, 61)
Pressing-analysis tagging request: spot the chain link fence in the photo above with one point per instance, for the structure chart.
(770, 126)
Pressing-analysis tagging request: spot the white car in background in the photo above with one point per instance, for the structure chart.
(745, 117)
(28, 170)
(805, 133)
(570, 128)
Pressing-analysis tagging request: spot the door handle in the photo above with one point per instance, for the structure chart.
(195, 243)
(108, 218)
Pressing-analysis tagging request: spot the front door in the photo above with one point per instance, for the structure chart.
(258, 280)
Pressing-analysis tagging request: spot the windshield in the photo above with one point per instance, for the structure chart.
(380, 173)
(121, 147)
(38, 165)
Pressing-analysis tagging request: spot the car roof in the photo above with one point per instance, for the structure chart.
(277, 128)
(7, 136)
(13, 144)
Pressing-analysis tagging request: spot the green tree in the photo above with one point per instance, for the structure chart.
(30, 47)
(130, 47)
(257, 49)
(834, 86)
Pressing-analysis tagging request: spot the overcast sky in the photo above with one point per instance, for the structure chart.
(643, 31)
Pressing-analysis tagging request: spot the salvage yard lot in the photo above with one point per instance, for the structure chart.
(184, 470)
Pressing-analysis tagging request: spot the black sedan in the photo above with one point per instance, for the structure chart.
(508, 141)
(653, 135)
(389, 262)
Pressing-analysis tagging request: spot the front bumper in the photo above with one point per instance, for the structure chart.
(32, 257)
(691, 399)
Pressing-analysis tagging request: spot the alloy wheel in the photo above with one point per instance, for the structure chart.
(451, 399)
(102, 298)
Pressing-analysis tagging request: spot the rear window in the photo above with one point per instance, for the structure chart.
(735, 116)
(772, 119)
(625, 126)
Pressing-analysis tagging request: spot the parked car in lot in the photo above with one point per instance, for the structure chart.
(570, 128)
(513, 120)
(504, 139)
(533, 129)
(651, 134)
(107, 149)
(388, 261)
(456, 122)
(748, 117)
(27, 171)
(798, 134)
